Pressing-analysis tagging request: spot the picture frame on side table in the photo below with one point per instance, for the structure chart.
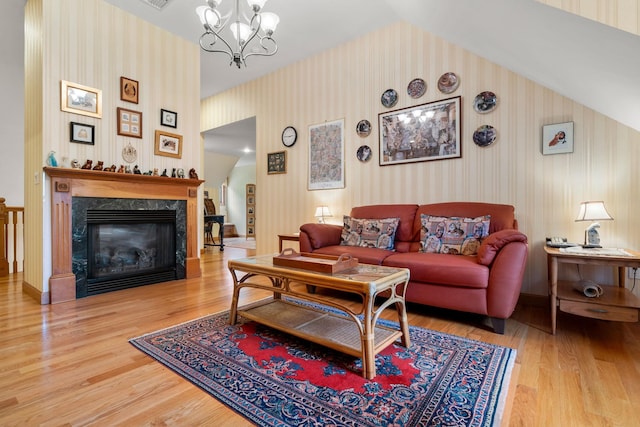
(426, 132)
(79, 99)
(168, 144)
(82, 133)
(168, 118)
(326, 155)
(557, 138)
(129, 90)
(277, 162)
(129, 123)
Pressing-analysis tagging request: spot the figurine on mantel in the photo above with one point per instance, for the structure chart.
(121, 169)
(75, 164)
(173, 173)
(99, 166)
(87, 164)
(180, 173)
(155, 172)
(193, 174)
(164, 173)
(51, 159)
(136, 170)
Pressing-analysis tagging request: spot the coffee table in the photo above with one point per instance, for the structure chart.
(351, 331)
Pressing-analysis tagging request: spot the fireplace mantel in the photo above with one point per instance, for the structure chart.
(68, 183)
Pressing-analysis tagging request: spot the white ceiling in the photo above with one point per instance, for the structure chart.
(588, 62)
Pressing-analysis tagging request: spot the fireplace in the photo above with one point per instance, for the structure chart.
(114, 192)
(125, 243)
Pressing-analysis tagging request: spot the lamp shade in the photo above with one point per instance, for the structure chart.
(322, 211)
(593, 211)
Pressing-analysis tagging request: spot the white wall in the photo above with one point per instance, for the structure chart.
(12, 105)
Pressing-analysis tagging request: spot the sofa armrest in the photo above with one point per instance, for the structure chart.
(495, 242)
(315, 236)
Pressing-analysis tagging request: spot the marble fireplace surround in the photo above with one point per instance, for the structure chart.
(68, 183)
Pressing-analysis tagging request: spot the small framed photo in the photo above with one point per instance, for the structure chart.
(557, 138)
(168, 118)
(82, 133)
(129, 90)
(168, 144)
(277, 162)
(79, 99)
(129, 123)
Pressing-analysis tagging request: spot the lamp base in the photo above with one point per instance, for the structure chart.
(588, 246)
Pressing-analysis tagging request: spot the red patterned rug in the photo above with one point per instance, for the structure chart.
(275, 379)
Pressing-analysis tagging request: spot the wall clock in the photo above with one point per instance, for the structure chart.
(289, 136)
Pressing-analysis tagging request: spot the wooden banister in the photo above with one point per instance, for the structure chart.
(11, 220)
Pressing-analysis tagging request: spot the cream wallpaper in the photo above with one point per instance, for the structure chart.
(621, 14)
(92, 43)
(346, 83)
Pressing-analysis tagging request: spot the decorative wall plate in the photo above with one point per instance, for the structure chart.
(485, 135)
(389, 98)
(416, 88)
(364, 153)
(363, 128)
(129, 153)
(448, 82)
(485, 102)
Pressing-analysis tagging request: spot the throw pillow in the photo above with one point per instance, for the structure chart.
(369, 233)
(453, 235)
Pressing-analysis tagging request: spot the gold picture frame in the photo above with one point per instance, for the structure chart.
(129, 123)
(277, 162)
(129, 90)
(168, 144)
(80, 99)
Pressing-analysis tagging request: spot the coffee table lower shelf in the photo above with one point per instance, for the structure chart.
(327, 329)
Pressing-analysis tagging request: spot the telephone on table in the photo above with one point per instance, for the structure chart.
(559, 242)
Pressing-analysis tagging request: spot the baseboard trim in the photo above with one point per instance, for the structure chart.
(41, 297)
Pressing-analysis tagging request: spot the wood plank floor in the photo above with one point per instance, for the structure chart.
(71, 363)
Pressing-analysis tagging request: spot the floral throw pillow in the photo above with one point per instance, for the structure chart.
(369, 233)
(453, 235)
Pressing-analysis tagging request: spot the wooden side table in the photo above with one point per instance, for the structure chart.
(295, 237)
(616, 304)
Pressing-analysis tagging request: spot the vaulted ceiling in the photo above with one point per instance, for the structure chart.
(589, 62)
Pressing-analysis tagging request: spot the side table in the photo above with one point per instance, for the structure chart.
(295, 237)
(617, 302)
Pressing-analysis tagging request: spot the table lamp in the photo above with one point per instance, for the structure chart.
(592, 211)
(321, 213)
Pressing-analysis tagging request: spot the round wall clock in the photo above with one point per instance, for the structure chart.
(289, 136)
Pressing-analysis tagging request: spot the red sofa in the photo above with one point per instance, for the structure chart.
(488, 283)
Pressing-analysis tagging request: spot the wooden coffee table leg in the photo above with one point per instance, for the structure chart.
(404, 323)
(233, 311)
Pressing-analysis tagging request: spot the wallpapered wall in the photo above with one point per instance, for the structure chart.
(347, 81)
(92, 43)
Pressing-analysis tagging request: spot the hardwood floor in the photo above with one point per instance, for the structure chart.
(71, 363)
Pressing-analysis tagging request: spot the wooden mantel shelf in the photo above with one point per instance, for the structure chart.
(67, 183)
(119, 177)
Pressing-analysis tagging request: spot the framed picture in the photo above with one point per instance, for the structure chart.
(326, 155)
(557, 138)
(129, 123)
(277, 162)
(82, 133)
(129, 90)
(168, 118)
(421, 133)
(79, 99)
(168, 144)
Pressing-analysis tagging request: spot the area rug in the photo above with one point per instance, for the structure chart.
(240, 242)
(275, 379)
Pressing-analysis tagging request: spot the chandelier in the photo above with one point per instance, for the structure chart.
(258, 29)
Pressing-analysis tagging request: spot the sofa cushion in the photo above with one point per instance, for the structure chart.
(441, 269)
(369, 233)
(453, 235)
(406, 213)
(502, 216)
